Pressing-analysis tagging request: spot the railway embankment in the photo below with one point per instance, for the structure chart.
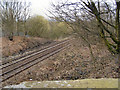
(73, 63)
(20, 45)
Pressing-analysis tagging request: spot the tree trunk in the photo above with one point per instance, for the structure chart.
(118, 32)
(118, 24)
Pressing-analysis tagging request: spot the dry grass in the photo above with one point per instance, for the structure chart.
(19, 44)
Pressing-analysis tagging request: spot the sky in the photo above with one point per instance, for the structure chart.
(40, 7)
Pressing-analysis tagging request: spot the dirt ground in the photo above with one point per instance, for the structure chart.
(19, 44)
(73, 63)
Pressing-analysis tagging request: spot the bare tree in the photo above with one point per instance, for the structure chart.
(25, 16)
(13, 13)
(110, 38)
(77, 19)
(90, 17)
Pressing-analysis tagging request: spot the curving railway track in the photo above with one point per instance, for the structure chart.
(10, 68)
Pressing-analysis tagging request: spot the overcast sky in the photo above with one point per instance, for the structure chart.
(40, 7)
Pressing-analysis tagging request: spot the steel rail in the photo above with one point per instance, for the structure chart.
(25, 60)
(33, 54)
(11, 69)
(11, 60)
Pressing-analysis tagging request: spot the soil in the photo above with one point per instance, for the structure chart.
(73, 63)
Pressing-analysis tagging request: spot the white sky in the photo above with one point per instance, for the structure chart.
(40, 7)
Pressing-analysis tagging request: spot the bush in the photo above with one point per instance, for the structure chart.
(37, 26)
(59, 30)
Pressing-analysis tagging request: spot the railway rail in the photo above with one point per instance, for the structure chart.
(10, 68)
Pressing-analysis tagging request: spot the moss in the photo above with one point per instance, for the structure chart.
(86, 83)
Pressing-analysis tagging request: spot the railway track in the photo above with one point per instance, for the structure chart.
(10, 68)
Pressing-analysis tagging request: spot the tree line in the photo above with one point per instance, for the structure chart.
(41, 27)
(17, 19)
